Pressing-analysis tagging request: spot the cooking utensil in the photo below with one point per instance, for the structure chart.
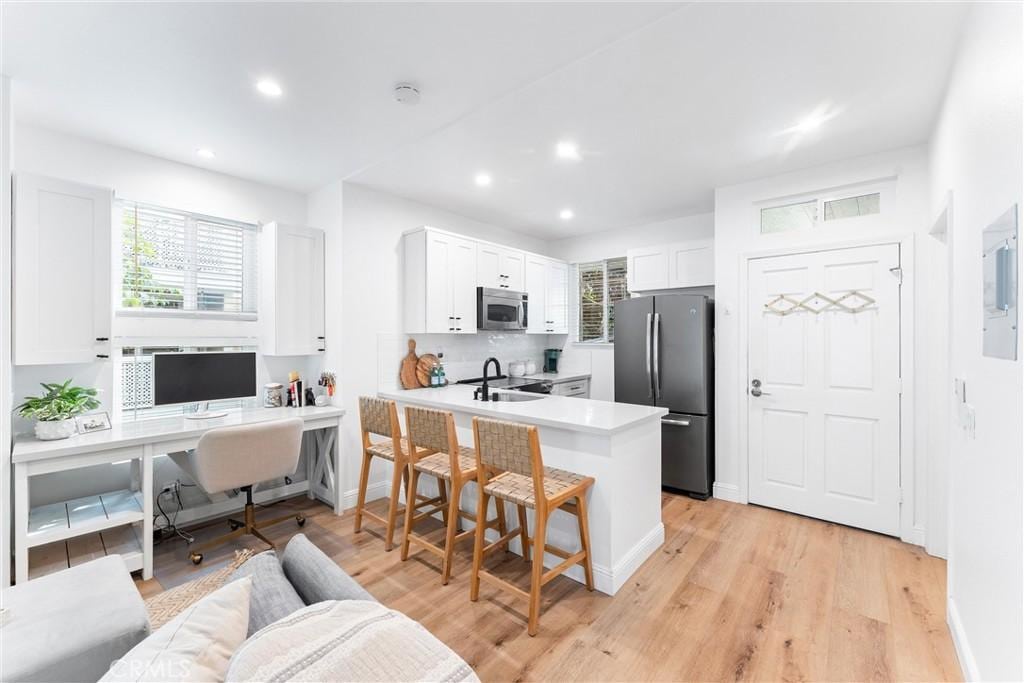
(424, 366)
(407, 373)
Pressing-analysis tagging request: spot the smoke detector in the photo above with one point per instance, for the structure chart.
(407, 93)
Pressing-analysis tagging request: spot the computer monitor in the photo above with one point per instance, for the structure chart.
(202, 377)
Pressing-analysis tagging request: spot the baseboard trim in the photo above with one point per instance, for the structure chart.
(609, 580)
(729, 492)
(628, 565)
(915, 536)
(374, 491)
(968, 665)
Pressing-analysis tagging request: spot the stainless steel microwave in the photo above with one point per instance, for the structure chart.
(500, 309)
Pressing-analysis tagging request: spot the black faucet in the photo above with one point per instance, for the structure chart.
(484, 395)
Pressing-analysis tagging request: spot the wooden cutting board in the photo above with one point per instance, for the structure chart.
(407, 373)
(423, 368)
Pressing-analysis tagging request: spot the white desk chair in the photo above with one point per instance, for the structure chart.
(237, 458)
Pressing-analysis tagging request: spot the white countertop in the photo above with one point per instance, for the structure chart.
(122, 434)
(563, 412)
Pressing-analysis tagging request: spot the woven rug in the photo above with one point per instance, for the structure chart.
(163, 607)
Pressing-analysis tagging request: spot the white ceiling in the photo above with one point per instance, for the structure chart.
(666, 101)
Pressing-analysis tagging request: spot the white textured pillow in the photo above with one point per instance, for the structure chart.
(347, 640)
(194, 646)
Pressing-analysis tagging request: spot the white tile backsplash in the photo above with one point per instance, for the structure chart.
(464, 354)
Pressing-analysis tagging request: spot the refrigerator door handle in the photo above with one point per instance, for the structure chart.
(657, 362)
(647, 346)
(677, 423)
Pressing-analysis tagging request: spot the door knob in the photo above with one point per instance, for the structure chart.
(755, 389)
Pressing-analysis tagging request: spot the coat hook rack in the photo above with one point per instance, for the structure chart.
(851, 302)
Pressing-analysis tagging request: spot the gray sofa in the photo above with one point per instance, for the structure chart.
(71, 625)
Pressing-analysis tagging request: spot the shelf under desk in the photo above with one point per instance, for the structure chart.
(142, 441)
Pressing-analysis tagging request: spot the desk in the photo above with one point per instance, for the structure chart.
(141, 441)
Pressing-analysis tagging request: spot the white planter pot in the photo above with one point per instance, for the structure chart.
(51, 430)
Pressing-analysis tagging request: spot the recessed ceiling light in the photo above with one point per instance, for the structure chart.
(269, 88)
(566, 149)
(482, 179)
(810, 123)
(206, 153)
(566, 214)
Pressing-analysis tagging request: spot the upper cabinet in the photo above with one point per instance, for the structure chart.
(291, 317)
(499, 267)
(647, 268)
(547, 285)
(440, 282)
(63, 304)
(682, 264)
(442, 271)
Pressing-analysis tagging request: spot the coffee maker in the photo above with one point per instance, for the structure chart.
(551, 359)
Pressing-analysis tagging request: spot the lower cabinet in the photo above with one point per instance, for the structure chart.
(580, 388)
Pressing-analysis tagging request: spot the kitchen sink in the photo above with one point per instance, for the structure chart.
(515, 396)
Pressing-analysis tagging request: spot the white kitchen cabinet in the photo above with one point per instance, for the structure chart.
(578, 388)
(546, 284)
(500, 267)
(440, 283)
(691, 264)
(670, 266)
(647, 268)
(556, 298)
(63, 302)
(291, 314)
(535, 286)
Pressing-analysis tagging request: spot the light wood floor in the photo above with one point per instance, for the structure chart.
(737, 592)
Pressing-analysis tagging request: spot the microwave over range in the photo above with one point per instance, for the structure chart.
(501, 309)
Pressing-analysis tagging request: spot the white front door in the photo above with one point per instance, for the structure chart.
(823, 385)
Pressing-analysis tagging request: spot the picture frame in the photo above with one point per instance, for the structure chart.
(93, 422)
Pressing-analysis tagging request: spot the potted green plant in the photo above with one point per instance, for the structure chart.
(55, 411)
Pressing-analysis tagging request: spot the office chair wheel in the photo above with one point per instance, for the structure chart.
(195, 557)
(234, 525)
(300, 520)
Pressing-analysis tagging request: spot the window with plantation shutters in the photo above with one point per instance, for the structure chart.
(176, 261)
(600, 285)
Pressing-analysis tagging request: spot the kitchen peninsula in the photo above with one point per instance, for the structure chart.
(618, 444)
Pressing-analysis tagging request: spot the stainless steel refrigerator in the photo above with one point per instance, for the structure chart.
(664, 356)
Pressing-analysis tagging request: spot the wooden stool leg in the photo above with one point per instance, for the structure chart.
(364, 479)
(581, 517)
(396, 484)
(537, 570)
(410, 510)
(499, 511)
(451, 522)
(478, 544)
(524, 535)
(442, 492)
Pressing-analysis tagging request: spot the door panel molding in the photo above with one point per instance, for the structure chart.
(912, 511)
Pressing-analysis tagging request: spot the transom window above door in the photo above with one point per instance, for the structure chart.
(179, 262)
(810, 213)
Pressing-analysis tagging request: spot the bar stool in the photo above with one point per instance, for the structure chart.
(509, 467)
(437, 453)
(380, 417)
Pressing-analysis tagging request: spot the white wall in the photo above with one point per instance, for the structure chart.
(364, 239)
(600, 358)
(737, 233)
(976, 152)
